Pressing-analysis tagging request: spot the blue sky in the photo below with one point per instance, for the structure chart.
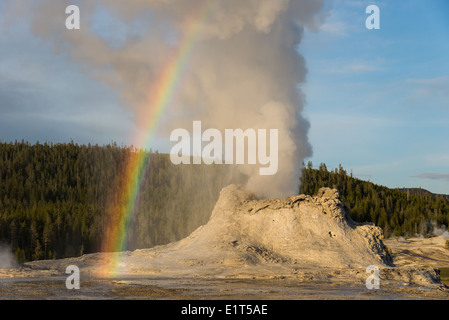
(45, 97)
(377, 100)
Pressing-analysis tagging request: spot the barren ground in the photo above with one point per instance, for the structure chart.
(297, 248)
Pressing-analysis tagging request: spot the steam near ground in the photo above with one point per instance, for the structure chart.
(431, 228)
(440, 231)
(7, 260)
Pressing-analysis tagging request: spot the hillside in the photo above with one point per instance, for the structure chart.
(400, 212)
(300, 247)
(55, 199)
(421, 191)
(244, 232)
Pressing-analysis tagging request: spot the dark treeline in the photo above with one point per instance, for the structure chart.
(55, 198)
(400, 212)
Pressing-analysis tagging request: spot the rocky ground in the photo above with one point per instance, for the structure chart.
(296, 248)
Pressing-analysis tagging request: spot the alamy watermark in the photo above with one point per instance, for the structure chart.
(237, 143)
(373, 20)
(73, 20)
(373, 280)
(73, 280)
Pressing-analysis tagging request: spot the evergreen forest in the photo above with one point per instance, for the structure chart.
(56, 199)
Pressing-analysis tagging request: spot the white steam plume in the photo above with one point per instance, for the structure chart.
(439, 231)
(7, 260)
(244, 71)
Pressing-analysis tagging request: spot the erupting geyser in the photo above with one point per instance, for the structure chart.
(228, 63)
(306, 239)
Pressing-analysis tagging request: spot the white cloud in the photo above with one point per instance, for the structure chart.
(351, 121)
(433, 176)
(436, 81)
(335, 28)
(438, 159)
(430, 88)
(351, 67)
(356, 67)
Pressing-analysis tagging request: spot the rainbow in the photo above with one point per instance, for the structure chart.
(163, 90)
